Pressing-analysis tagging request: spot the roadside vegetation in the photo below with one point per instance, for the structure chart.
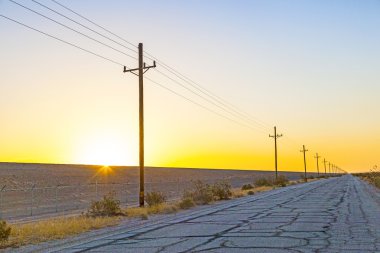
(52, 229)
(372, 177)
(280, 181)
(108, 212)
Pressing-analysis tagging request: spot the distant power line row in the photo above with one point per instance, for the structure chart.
(202, 97)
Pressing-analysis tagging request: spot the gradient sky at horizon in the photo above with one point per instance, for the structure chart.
(309, 67)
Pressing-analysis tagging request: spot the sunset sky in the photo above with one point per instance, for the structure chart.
(309, 67)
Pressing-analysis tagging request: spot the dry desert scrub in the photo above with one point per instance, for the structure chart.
(144, 212)
(107, 206)
(155, 198)
(238, 193)
(57, 228)
(5, 231)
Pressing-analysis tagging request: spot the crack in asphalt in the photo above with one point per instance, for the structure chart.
(333, 215)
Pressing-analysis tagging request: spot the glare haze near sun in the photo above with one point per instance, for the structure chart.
(309, 67)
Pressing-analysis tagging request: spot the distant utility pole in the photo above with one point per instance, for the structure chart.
(141, 70)
(324, 161)
(304, 159)
(275, 136)
(317, 157)
(329, 169)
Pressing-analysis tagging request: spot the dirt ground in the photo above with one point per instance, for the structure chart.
(35, 190)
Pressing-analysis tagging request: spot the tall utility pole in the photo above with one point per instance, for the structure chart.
(317, 157)
(141, 70)
(275, 136)
(304, 159)
(324, 162)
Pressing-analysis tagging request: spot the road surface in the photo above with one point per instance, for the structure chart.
(334, 215)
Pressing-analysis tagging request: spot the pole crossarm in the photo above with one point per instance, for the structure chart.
(145, 68)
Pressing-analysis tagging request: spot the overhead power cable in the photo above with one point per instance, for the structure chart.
(95, 24)
(205, 98)
(84, 26)
(120, 64)
(207, 92)
(200, 105)
(218, 104)
(72, 29)
(218, 99)
(61, 40)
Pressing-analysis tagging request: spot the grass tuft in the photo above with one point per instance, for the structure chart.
(57, 228)
(155, 198)
(186, 203)
(107, 206)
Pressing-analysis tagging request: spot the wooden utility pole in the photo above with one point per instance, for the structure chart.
(317, 157)
(141, 70)
(329, 169)
(324, 162)
(275, 136)
(304, 159)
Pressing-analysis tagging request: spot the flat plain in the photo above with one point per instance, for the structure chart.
(39, 190)
(330, 215)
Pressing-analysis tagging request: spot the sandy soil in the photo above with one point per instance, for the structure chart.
(35, 190)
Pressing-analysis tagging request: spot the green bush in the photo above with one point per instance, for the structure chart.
(221, 190)
(5, 231)
(281, 181)
(201, 193)
(155, 198)
(247, 187)
(108, 206)
(263, 181)
(186, 203)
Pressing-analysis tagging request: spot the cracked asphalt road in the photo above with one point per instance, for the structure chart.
(333, 215)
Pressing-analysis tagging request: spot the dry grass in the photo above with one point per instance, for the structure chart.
(57, 228)
(144, 212)
(238, 192)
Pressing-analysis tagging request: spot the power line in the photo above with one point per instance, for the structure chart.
(99, 26)
(200, 105)
(61, 40)
(203, 97)
(84, 26)
(223, 104)
(72, 29)
(170, 69)
(120, 64)
(208, 92)
(235, 114)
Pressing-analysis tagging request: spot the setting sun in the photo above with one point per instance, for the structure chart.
(104, 149)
